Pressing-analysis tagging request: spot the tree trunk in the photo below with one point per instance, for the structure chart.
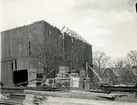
(44, 75)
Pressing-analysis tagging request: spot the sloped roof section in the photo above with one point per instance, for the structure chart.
(73, 34)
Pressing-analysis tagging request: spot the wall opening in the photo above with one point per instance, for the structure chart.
(15, 63)
(29, 48)
(12, 66)
(20, 76)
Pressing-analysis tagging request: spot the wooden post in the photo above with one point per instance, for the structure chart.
(87, 69)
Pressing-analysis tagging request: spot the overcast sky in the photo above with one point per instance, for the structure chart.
(109, 25)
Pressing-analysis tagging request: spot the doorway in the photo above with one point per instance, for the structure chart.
(20, 76)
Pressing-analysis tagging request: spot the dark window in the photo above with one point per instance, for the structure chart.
(29, 48)
(15, 63)
(39, 75)
(11, 65)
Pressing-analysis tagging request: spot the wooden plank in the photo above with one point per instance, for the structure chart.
(9, 74)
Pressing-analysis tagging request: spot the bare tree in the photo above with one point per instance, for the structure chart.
(100, 61)
(120, 63)
(46, 50)
(132, 58)
(125, 72)
(127, 76)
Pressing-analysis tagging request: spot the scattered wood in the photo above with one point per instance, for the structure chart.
(10, 102)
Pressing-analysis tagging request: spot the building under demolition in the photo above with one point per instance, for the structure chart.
(28, 50)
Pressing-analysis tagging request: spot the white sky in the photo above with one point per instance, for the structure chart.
(109, 25)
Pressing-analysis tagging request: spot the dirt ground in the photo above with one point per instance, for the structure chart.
(75, 98)
(76, 101)
(72, 101)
